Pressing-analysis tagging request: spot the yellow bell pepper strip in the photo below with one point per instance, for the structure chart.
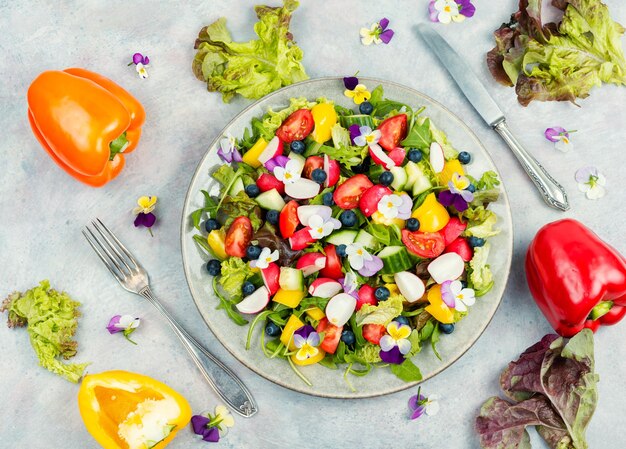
(124, 410)
(450, 168)
(293, 324)
(217, 242)
(289, 298)
(325, 118)
(85, 122)
(315, 313)
(431, 215)
(437, 308)
(251, 157)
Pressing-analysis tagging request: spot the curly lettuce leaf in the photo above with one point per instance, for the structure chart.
(368, 353)
(484, 229)
(480, 273)
(234, 273)
(382, 313)
(254, 68)
(240, 205)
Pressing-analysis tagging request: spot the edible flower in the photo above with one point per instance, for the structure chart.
(388, 206)
(395, 344)
(445, 11)
(141, 63)
(359, 258)
(307, 341)
(367, 136)
(145, 217)
(276, 161)
(371, 267)
(125, 324)
(320, 228)
(420, 404)
(457, 297)
(358, 93)
(228, 151)
(560, 137)
(266, 257)
(290, 173)
(377, 33)
(212, 427)
(349, 284)
(457, 196)
(591, 182)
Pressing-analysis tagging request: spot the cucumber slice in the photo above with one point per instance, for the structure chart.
(291, 279)
(400, 178)
(416, 179)
(395, 259)
(360, 119)
(375, 171)
(236, 187)
(367, 240)
(297, 157)
(270, 200)
(342, 237)
(421, 185)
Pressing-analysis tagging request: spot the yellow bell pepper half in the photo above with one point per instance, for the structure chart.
(124, 410)
(437, 308)
(325, 118)
(431, 215)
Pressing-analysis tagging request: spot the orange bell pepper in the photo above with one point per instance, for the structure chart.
(85, 122)
(124, 410)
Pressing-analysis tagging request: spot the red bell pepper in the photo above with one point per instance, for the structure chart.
(577, 280)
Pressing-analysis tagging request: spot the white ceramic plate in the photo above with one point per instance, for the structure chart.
(326, 382)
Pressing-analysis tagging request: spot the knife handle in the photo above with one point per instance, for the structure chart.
(551, 191)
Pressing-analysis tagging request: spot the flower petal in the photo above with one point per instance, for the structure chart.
(113, 326)
(446, 198)
(404, 345)
(432, 408)
(386, 36)
(596, 192)
(371, 267)
(554, 134)
(137, 58)
(392, 356)
(350, 82)
(384, 23)
(199, 422)
(583, 174)
(212, 435)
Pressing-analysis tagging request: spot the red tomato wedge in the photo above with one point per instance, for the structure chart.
(296, 127)
(462, 248)
(424, 244)
(332, 335)
(333, 264)
(452, 230)
(311, 163)
(370, 198)
(238, 237)
(373, 332)
(348, 194)
(393, 131)
(288, 219)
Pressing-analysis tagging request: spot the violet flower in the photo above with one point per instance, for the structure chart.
(228, 151)
(560, 137)
(138, 58)
(212, 427)
(350, 82)
(457, 196)
(377, 33)
(420, 404)
(307, 340)
(276, 161)
(126, 324)
(394, 345)
(141, 63)
(371, 267)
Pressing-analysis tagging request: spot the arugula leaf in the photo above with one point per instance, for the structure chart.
(434, 339)
(380, 232)
(419, 136)
(406, 371)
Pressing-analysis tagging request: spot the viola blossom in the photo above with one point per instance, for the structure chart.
(141, 63)
(457, 297)
(358, 92)
(290, 173)
(228, 151)
(307, 342)
(145, 217)
(276, 161)
(125, 324)
(446, 11)
(349, 284)
(377, 33)
(395, 206)
(420, 405)
(457, 196)
(560, 137)
(366, 136)
(395, 344)
(321, 228)
(591, 182)
(212, 427)
(362, 261)
(266, 257)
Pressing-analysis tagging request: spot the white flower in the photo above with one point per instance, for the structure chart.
(591, 182)
(448, 11)
(141, 70)
(266, 257)
(454, 292)
(431, 406)
(370, 35)
(564, 144)
(319, 227)
(291, 172)
(350, 282)
(397, 335)
(389, 206)
(357, 255)
(367, 136)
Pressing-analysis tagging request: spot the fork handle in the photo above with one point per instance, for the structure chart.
(225, 383)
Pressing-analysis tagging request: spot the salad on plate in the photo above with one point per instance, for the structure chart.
(355, 237)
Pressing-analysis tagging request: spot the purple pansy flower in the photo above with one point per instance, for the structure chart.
(228, 151)
(394, 345)
(446, 11)
(420, 404)
(307, 340)
(377, 33)
(457, 196)
(138, 58)
(141, 62)
(392, 356)
(145, 217)
(211, 427)
(560, 137)
(276, 161)
(350, 82)
(355, 131)
(145, 220)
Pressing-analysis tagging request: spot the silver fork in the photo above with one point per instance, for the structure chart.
(134, 278)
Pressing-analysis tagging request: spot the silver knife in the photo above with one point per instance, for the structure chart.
(551, 191)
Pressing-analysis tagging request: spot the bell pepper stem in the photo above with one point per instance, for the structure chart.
(118, 145)
(601, 309)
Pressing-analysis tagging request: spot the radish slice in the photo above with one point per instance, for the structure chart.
(447, 267)
(270, 276)
(380, 157)
(340, 308)
(411, 287)
(311, 263)
(302, 189)
(255, 302)
(437, 160)
(306, 212)
(273, 148)
(324, 288)
(331, 167)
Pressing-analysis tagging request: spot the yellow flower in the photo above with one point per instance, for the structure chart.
(145, 205)
(223, 416)
(359, 94)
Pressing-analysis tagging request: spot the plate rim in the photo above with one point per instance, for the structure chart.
(310, 392)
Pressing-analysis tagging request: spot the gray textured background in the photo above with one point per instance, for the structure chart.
(43, 210)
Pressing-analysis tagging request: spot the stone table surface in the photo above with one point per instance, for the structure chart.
(43, 211)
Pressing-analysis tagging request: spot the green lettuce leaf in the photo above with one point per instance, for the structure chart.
(240, 205)
(347, 155)
(484, 229)
(254, 68)
(368, 353)
(480, 275)
(419, 135)
(234, 273)
(382, 313)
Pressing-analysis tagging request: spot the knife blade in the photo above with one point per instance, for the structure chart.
(551, 191)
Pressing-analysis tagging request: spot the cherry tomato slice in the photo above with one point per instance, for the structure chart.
(332, 335)
(333, 264)
(238, 237)
(296, 127)
(393, 131)
(311, 163)
(348, 194)
(373, 332)
(288, 219)
(424, 244)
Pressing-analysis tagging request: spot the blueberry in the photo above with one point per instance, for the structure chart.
(271, 329)
(471, 188)
(253, 252)
(475, 242)
(401, 319)
(318, 175)
(465, 157)
(385, 178)
(253, 190)
(328, 199)
(214, 267)
(341, 250)
(464, 284)
(382, 293)
(363, 167)
(297, 146)
(211, 224)
(412, 224)
(348, 218)
(414, 155)
(366, 108)
(446, 328)
(247, 288)
(272, 216)
(348, 337)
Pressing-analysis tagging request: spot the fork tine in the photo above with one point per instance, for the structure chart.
(101, 256)
(110, 257)
(112, 246)
(120, 245)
